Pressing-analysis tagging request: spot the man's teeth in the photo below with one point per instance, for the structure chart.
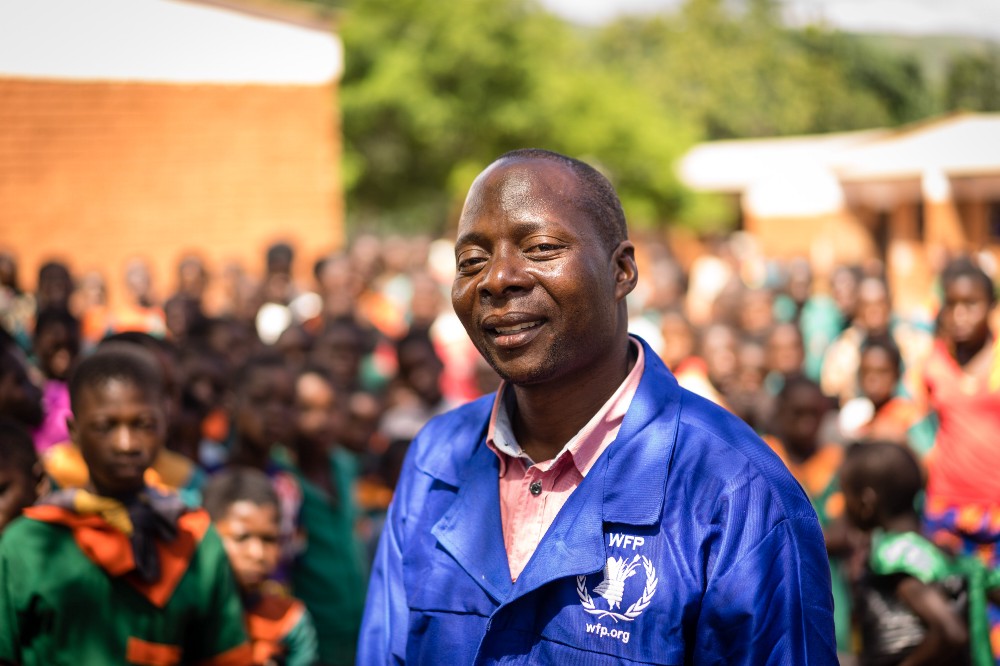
(514, 329)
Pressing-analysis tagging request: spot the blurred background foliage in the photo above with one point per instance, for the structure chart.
(433, 91)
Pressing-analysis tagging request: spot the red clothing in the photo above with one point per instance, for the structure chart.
(524, 515)
(962, 467)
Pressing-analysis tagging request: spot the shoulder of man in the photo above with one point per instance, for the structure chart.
(445, 444)
(718, 455)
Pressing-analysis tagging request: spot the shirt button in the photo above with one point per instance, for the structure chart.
(536, 488)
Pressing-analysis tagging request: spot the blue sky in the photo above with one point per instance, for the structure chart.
(962, 17)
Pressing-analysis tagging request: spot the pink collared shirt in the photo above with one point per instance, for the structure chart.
(526, 515)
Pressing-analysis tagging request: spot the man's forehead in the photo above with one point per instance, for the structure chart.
(514, 184)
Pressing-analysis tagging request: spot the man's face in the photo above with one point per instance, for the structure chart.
(536, 289)
(250, 536)
(119, 428)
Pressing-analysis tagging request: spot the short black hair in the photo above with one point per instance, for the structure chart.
(17, 448)
(56, 315)
(963, 267)
(117, 362)
(237, 484)
(886, 344)
(597, 196)
(888, 468)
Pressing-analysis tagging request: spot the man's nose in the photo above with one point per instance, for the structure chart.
(504, 274)
(125, 439)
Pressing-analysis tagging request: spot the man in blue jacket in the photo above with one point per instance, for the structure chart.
(592, 511)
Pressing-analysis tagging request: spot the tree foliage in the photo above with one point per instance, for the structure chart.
(433, 91)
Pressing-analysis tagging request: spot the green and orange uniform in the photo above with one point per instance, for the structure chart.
(75, 588)
(280, 628)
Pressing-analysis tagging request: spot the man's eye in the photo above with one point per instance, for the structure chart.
(466, 264)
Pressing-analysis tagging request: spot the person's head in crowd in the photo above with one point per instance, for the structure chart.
(785, 350)
(233, 339)
(21, 473)
(969, 296)
(55, 285)
(427, 302)
(880, 482)
(844, 290)
(879, 369)
(362, 413)
(139, 283)
(747, 399)
(263, 401)
(751, 360)
(245, 510)
(317, 412)
(719, 350)
(420, 367)
(756, 312)
(799, 410)
(8, 272)
(339, 285)
(800, 282)
(667, 284)
(119, 416)
(20, 398)
(679, 340)
(366, 257)
(277, 287)
(181, 315)
(192, 277)
(294, 344)
(874, 307)
(340, 348)
(56, 342)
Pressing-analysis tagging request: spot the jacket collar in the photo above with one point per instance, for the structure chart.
(470, 530)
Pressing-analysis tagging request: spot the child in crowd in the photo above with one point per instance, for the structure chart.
(245, 510)
(799, 412)
(880, 412)
(329, 575)
(56, 344)
(171, 471)
(117, 572)
(262, 414)
(20, 399)
(907, 596)
(21, 475)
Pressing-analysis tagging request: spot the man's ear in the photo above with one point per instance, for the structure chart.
(43, 484)
(626, 270)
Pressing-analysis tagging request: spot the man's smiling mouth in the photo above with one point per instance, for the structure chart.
(509, 330)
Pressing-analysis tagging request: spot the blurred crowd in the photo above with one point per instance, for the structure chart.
(321, 386)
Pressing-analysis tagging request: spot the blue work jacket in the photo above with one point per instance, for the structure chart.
(688, 542)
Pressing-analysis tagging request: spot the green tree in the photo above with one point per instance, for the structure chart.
(433, 91)
(972, 81)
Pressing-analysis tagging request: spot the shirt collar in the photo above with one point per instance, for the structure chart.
(587, 445)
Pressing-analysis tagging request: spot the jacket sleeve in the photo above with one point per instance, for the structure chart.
(384, 624)
(9, 631)
(774, 605)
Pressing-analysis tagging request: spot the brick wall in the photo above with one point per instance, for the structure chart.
(97, 172)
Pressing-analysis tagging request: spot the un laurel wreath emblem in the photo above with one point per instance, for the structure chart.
(612, 588)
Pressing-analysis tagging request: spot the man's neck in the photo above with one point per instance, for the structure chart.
(549, 415)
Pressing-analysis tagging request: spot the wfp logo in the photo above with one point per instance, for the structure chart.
(612, 590)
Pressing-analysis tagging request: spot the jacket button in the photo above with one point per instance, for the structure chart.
(536, 488)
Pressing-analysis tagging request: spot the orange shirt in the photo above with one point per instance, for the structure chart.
(526, 515)
(962, 467)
